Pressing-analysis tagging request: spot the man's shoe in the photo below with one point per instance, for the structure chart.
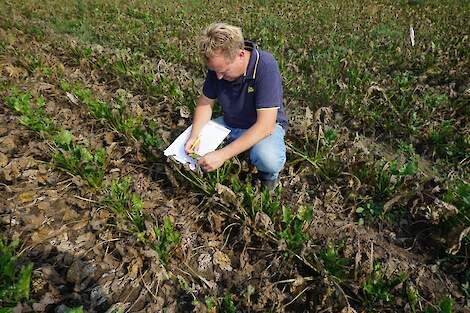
(270, 184)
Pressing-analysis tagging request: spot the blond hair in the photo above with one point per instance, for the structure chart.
(220, 38)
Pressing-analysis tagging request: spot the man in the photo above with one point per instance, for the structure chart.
(247, 84)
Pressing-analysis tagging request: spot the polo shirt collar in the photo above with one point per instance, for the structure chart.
(254, 60)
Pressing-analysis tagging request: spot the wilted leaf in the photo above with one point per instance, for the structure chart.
(217, 222)
(264, 220)
(204, 261)
(184, 112)
(348, 309)
(14, 71)
(27, 196)
(222, 260)
(391, 202)
(71, 97)
(455, 239)
(227, 195)
(3, 160)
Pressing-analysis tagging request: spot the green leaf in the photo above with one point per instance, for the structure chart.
(446, 305)
(75, 310)
(306, 213)
(63, 139)
(23, 285)
(287, 215)
(228, 304)
(85, 154)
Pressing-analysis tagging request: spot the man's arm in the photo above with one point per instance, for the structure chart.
(202, 115)
(264, 127)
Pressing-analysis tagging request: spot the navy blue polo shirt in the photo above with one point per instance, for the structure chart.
(260, 88)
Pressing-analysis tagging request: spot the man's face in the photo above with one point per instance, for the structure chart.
(225, 68)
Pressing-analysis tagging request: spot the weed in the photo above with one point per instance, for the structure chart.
(211, 304)
(446, 141)
(333, 263)
(167, 239)
(78, 160)
(295, 226)
(389, 176)
(369, 211)
(378, 287)
(32, 116)
(265, 202)
(256, 200)
(385, 36)
(3, 47)
(444, 306)
(125, 204)
(228, 306)
(224, 175)
(459, 195)
(413, 296)
(317, 154)
(98, 108)
(14, 285)
(75, 310)
(146, 135)
(120, 120)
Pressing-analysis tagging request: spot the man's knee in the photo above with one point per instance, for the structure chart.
(268, 157)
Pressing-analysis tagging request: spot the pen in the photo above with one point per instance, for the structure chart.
(195, 143)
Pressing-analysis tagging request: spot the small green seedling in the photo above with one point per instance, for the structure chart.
(32, 115)
(14, 285)
(78, 160)
(75, 310)
(378, 288)
(211, 304)
(228, 305)
(121, 201)
(334, 264)
(167, 239)
(294, 227)
(195, 156)
(446, 305)
(413, 296)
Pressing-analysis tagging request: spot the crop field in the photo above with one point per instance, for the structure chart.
(373, 210)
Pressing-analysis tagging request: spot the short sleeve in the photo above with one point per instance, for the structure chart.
(210, 88)
(268, 84)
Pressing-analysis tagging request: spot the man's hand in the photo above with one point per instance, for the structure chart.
(202, 115)
(191, 145)
(212, 161)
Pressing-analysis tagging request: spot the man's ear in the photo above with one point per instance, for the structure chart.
(241, 54)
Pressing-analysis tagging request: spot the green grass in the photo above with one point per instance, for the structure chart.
(141, 130)
(32, 115)
(334, 264)
(79, 160)
(331, 44)
(295, 227)
(14, 283)
(379, 288)
(121, 201)
(167, 239)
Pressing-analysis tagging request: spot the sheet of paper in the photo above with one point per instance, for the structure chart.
(211, 137)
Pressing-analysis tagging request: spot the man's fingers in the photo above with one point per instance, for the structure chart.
(205, 165)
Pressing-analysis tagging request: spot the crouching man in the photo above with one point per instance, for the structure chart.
(246, 82)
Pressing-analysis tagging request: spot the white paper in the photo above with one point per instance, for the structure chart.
(210, 138)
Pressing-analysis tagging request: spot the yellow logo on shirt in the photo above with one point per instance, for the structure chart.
(251, 89)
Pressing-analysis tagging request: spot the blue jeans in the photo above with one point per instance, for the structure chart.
(268, 155)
